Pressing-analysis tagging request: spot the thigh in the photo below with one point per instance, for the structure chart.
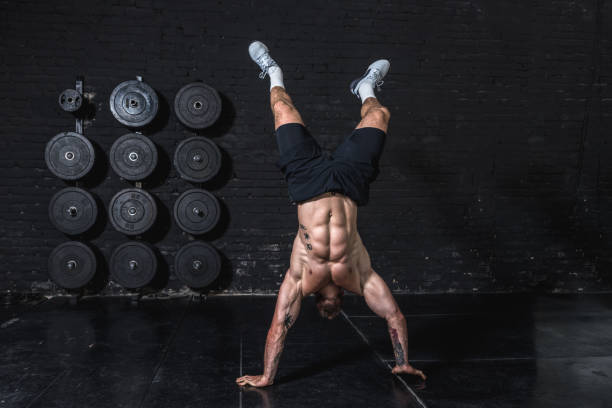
(296, 146)
(363, 146)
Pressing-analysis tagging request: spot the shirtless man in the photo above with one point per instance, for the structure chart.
(328, 255)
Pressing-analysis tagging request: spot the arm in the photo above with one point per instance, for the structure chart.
(287, 309)
(379, 298)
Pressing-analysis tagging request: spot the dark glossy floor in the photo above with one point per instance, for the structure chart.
(478, 351)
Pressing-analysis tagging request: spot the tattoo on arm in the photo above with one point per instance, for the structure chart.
(302, 227)
(397, 348)
(288, 321)
(309, 247)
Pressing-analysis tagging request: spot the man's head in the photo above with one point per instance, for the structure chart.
(329, 300)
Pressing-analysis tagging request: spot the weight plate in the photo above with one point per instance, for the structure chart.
(133, 265)
(132, 211)
(134, 103)
(72, 264)
(197, 264)
(133, 156)
(69, 155)
(70, 100)
(197, 105)
(73, 210)
(197, 159)
(197, 211)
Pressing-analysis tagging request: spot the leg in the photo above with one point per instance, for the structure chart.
(295, 143)
(282, 107)
(365, 144)
(373, 114)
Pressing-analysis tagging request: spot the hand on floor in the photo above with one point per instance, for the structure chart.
(408, 369)
(253, 380)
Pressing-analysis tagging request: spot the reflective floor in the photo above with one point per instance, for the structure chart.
(478, 351)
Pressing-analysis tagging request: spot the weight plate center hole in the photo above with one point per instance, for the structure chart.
(132, 211)
(72, 211)
(69, 155)
(133, 156)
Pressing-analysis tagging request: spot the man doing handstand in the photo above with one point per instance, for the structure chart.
(328, 255)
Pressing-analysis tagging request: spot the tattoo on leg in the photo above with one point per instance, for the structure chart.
(397, 348)
(288, 321)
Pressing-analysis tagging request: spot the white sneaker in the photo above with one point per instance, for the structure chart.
(261, 55)
(375, 73)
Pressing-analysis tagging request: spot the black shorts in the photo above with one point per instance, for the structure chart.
(310, 171)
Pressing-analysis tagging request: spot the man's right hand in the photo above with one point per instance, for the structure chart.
(253, 380)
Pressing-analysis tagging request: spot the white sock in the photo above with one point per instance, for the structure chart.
(365, 91)
(276, 77)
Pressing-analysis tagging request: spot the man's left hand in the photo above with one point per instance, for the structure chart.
(408, 369)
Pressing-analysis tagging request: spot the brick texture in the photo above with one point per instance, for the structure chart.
(495, 175)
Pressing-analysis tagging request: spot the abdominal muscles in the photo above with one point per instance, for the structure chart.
(329, 243)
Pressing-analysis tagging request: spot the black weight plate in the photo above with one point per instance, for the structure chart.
(197, 264)
(133, 156)
(196, 211)
(133, 265)
(197, 105)
(197, 159)
(69, 155)
(72, 264)
(73, 210)
(132, 211)
(134, 103)
(70, 100)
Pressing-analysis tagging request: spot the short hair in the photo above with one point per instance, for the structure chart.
(328, 308)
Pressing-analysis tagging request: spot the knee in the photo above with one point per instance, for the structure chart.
(385, 112)
(381, 114)
(283, 108)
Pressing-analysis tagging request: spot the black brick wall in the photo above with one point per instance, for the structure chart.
(495, 176)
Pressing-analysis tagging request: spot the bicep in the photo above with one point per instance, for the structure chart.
(378, 296)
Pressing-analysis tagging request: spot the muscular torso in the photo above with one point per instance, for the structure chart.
(327, 246)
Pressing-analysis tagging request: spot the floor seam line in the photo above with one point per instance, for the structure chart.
(366, 341)
(164, 355)
(468, 360)
(41, 393)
